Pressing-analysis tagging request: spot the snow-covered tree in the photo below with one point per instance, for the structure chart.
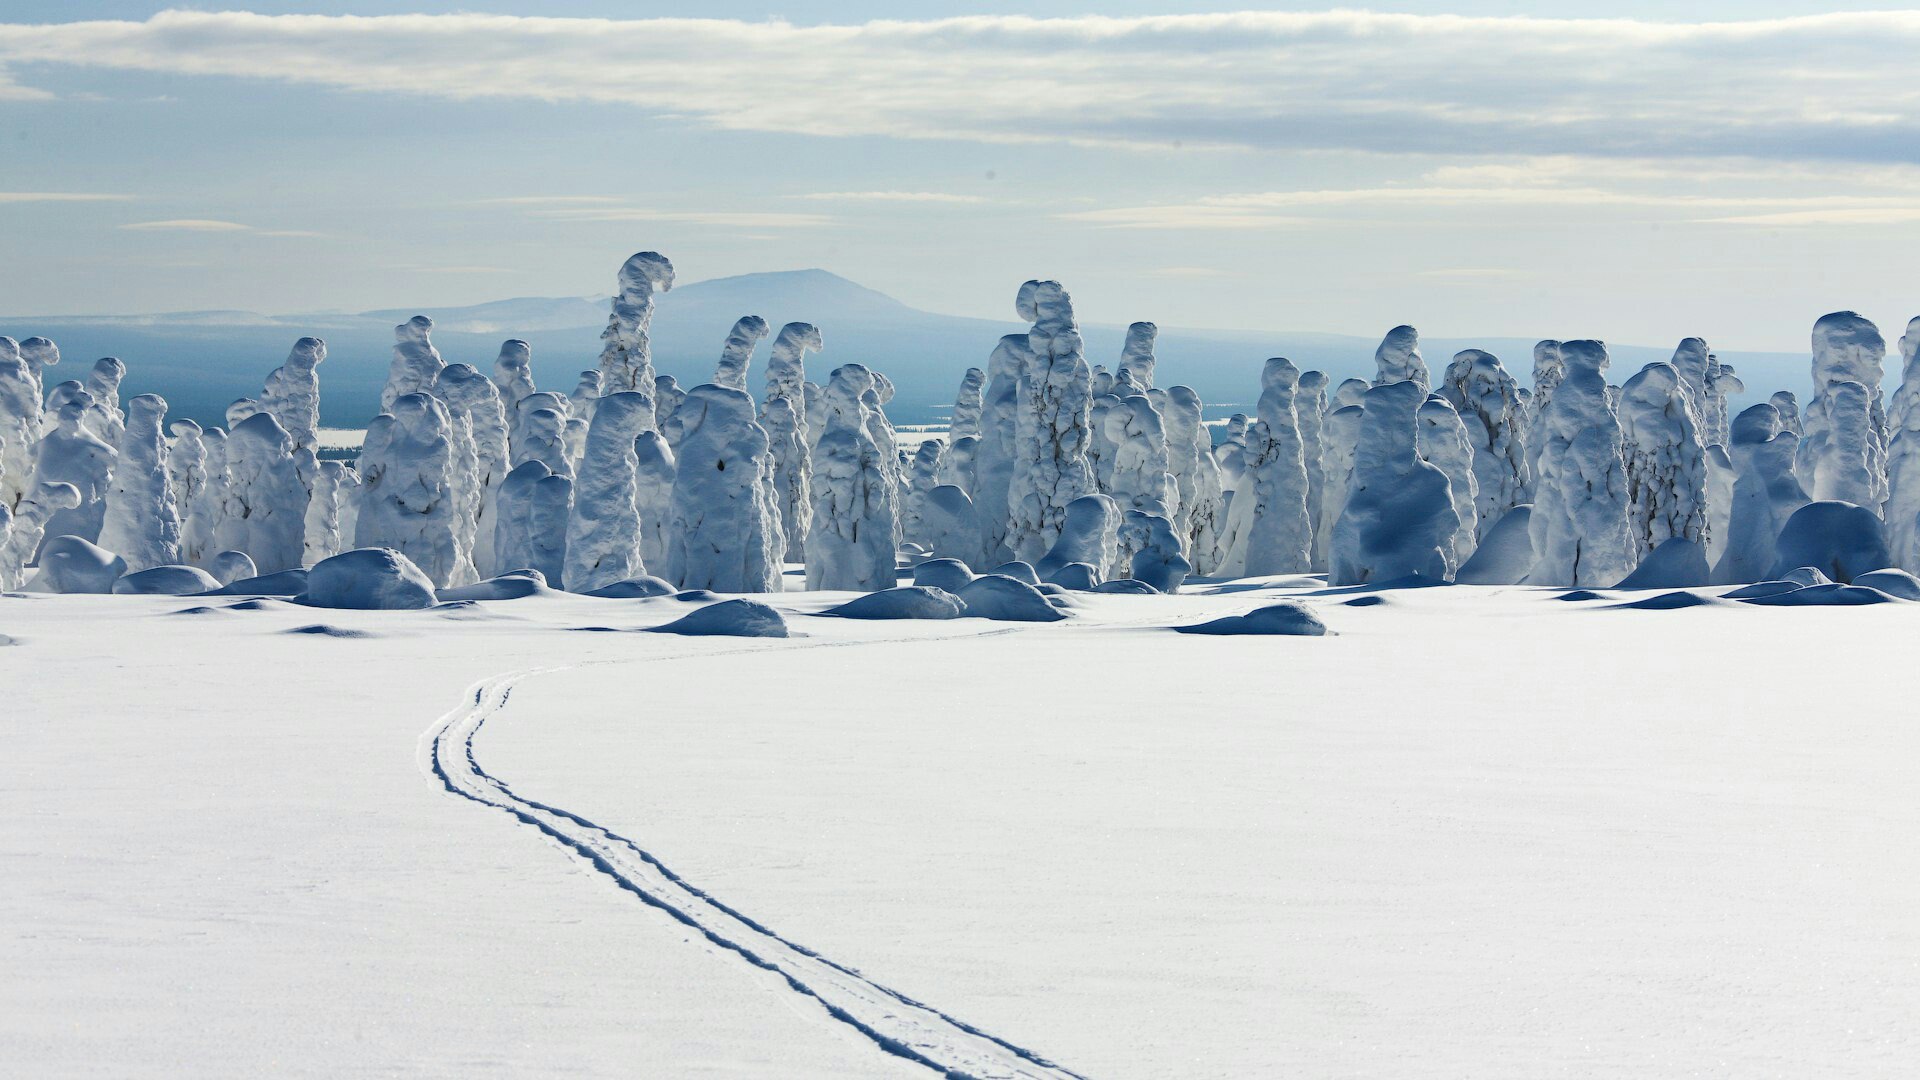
(141, 523)
(292, 394)
(513, 518)
(1666, 465)
(322, 535)
(39, 354)
(993, 461)
(655, 471)
(585, 396)
(1722, 383)
(1691, 362)
(186, 466)
(725, 532)
(197, 530)
(1196, 474)
(1399, 518)
(1279, 535)
(1765, 495)
(19, 423)
(1152, 551)
(626, 354)
(74, 454)
(513, 373)
(541, 436)
(1788, 407)
(1579, 523)
(480, 430)
(1310, 409)
(667, 397)
(956, 465)
(952, 526)
(416, 363)
(1050, 463)
(1902, 508)
(1142, 463)
(106, 417)
(1398, 359)
(1442, 442)
(28, 531)
(1090, 534)
(547, 528)
(850, 545)
(783, 415)
(737, 354)
(1487, 399)
(407, 501)
(1136, 356)
(1549, 368)
(603, 534)
(923, 475)
(967, 405)
(1843, 455)
(266, 505)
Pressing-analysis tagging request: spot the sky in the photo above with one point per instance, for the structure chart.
(1625, 171)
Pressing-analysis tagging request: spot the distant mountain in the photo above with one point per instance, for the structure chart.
(201, 361)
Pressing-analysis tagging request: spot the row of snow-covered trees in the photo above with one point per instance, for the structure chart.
(1084, 473)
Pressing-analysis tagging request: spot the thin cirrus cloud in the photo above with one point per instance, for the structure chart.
(1834, 86)
(735, 219)
(58, 196)
(212, 225)
(919, 197)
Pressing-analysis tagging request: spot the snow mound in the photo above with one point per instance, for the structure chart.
(1804, 576)
(696, 596)
(1364, 601)
(1762, 588)
(1831, 594)
(258, 604)
(1582, 594)
(1283, 619)
(513, 585)
(729, 618)
(1018, 571)
(1895, 583)
(1673, 601)
(1078, 576)
(1839, 539)
(1678, 563)
(1505, 556)
(640, 588)
(326, 630)
(949, 574)
(166, 581)
(284, 583)
(69, 564)
(909, 602)
(230, 566)
(369, 579)
(1005, 599)
(1127, 586)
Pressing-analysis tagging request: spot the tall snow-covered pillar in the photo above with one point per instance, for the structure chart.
(1487, 399)
(1549, 368)
(416, 363)
(1579, 522)
(1665, 459)
(737, 353)
(1279, 532)
(1398, 359)
(1765, 495)
(407, 499)
(1442, 442)
(1843, 455)
(513, 373)
(1902, 508)
(19, 424)
(1399, 518)
(292, 393)
(626, 354)
(72, 453)
(1050, 463)
(603, 532)
(855, 505)
(266, 505)
(1197, 475)
(783, 415)
(967, 404)
(725, 533)
(1136, 356)
(141, 523)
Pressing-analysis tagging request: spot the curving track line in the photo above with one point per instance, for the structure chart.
(896, 1023)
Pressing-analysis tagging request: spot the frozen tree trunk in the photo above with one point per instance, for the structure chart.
(473, 401)
(967, 405)
(1310, 410)
(1197, 475)
(203, 518)
(1443, 443)
(1843, 455)
(922, 478)
(1279, 533)
(20, 424)
(28, 530)
(851, 544)
(73, 454)
(141, 523)
(1399, 518)
(1050, 462)
(1666, 462)
(416, 363)
(1549, 369)
(292, 393)
(725, 533)
(1765, 495)
(603, 534)
(1579, 522)
(1398, 359)
(585, 396)
(626, 354)
(513, 519)
(266, 505)
(1136, 356)
(1487, 400)
(513, 373)
(784, 416)
(322, 528)
(186, 467)
(737, 354)
(407, 501)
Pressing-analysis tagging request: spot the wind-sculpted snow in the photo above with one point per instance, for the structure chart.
(737, 353)
(1487, 400)
(1152, 550)
(1549, 369)
(265, 514)
(1665, 460)
(416, 363)
(1678, 563)
(1839, 539)
(850, 544)
(1843, 454)
(1196, 475)
(292, 393)
(1089, 534)
(951, 525)
(1902, 509)
(69, 564)
(1005, 599)
(667, 397)
(408, 502)
(1399, 518)
(1504, 555)
(1050, 466)
(1286, 619)
(323, 531)
(1579, 523)
(369, 579)
(513, 372)
(783, 414)
(923, 475)
(20, 423)
(232, 567)
(542, 437)
(1279, 535)
(28, 529)
(603, 535)
(1442, 441)
(103, 383)
(1398, 359)
(1788, 407)
(725, 532)
(73, 454)
(906, 602)
(626, 353)
(141, 523)
(728, 618)
(585, 397)
(168, 580)
(39, 354)
(967, 405)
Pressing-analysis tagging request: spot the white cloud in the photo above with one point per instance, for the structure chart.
(736, 219)
(58, 196)
(187, 225)
(1823, 86)
(892, 196)
(546, 200)
(1885, 215)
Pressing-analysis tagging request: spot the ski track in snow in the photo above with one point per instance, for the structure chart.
(895, 1022)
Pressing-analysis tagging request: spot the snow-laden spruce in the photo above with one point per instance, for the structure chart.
(1136, 356)
(1398, 359)
(965, 421)
(850, 545)
(999, 432)
(1549, 368)
(547, 527)
(1692, 362)
(1152, 551)
(957, 464)
(1141, 462)
(1579, 524)
(292, 393)
(1279, 533)
(407, 501)
(724, 533)
(626, 353)
(667, 397)
(30, 519)
(655, 471)
(209, 500)
(1339, 439)
(1050, 466)
(72, 453)
(265, 515)
(1487, 399)
(322, 535)
(513, 372)
(586, 396)
(603, 534)
(416, 363)
(20, 423)
(923, 475)
(1722, 383)
(1442, 442)
(105, 415)
(1665, 459)
(1843, 454)
(1765, 494)
(480, 425)
(783, 415)
(513, 516)
(1310, 410)
(186, 466)
(141, 523)
(1197, 476)
(1788, 407)
(39, 354)
(1399, 518)
(1902, 508)
(1089, 535)
(737, 354)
